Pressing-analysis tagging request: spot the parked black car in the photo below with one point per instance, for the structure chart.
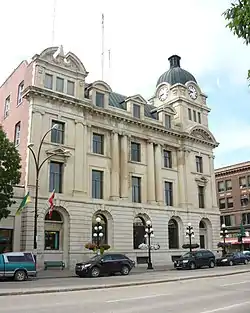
(233, 259)
(195, 259)
(105, 264)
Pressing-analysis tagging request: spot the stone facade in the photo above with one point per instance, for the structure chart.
(158, 125)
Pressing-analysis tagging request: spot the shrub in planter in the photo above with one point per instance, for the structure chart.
(104, 247)
(91, 246)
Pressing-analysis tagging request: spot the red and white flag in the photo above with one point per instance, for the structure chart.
(51, 203)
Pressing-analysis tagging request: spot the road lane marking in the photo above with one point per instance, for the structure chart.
(226, 308)
(138, 298)
(232, 284)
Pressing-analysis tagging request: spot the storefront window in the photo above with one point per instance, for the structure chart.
(6, 240)
(51, 240)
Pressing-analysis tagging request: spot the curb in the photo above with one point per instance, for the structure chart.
(117, 285)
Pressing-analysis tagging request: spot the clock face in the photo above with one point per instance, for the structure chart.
(192, 92)
(163, 93)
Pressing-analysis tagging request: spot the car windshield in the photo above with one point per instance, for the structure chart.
(187, 255)
(96, 258)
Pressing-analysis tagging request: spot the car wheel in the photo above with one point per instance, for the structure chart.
(95, 272)
(125, 270)
(231, 263)
(211, 264)
(192, 266)
(246, 261)
(20, 276)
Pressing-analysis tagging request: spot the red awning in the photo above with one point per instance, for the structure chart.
(234, 241)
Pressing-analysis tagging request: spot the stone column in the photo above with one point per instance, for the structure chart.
(79, 157)
(212, 182)
(182, 165)
(85, 159)
(158, 174)
(124, 167)
(115, 183)
(150, 173)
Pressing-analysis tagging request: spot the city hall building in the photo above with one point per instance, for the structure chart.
(119, 157)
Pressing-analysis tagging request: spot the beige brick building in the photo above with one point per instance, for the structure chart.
(127, 160)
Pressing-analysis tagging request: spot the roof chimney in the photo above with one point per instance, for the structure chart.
(174, 61)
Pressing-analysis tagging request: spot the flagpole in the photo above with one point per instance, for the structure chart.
(102, 46)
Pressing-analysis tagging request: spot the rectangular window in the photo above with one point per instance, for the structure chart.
(168, 190)
(194, 115)
(17, 134)
(201, 197)
(7, 107)
(51, 240)
(222, 204)
(228, 184)
(199, 164)
(242, 182)
(230, 203)
(99, 100)
(248, 181)
(221, 186)
(167, 121)
(19, 93)
(59, 84)
(136, 111)
(246, 218)
(57, 134)
(70, 88)
(136, 189)
(98, 144)
(6, 245)
(199, 117)
(135, 152)
(48, 83)
(97, 184)
(167, 158)
(190, 114)
(56, 177)
(227, 220)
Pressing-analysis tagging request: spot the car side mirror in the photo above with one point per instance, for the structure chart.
(102, 260)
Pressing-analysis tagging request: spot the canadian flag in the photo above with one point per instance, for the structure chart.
(51, 203)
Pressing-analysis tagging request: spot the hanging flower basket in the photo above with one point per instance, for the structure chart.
(91, 246)
(193, 246)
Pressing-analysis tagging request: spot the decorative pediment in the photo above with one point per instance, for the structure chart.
(102, 85)
(137, 98)
(57, 56)
(200, 132)
(201, 181)
(168, 109)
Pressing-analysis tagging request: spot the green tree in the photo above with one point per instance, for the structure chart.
(238, 18)
(9, 173)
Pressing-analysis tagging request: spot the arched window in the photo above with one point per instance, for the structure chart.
(53, 232)
(104, 230)
(173, 234)
(139, 231)
(203, 234)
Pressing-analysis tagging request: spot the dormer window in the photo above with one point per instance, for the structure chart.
(167, 121)
(99, 99)
(70, 88)
(59, 84)
(136, 110)
(48, 83)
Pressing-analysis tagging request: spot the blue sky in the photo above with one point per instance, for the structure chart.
(141, 36)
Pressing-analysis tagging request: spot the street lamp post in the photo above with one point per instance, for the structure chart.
(224, 235)
(38, 166)
(149, 232)
(98, 234)
(190, 235)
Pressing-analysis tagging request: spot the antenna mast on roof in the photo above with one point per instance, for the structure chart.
(53, 22)
(102, 45)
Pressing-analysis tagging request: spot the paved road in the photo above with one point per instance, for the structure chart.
(213, 295)
(78, 282)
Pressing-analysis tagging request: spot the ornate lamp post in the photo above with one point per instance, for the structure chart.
(224, 235)
(98, 234)
(149, 232)
(190, 235)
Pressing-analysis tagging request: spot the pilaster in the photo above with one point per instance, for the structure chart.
(158, 174)
(124, 166)
(150, 173)
(115, 183)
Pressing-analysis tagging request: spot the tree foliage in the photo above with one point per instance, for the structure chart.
(238, 18)
(9, 173)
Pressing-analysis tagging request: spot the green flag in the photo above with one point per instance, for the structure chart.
(23, 204)
(242, 230)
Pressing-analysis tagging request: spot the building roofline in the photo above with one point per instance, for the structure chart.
(237, 166)
(24, 61)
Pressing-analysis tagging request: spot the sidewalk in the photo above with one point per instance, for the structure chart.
(57, 273)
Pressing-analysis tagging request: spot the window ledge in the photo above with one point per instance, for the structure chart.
(99, 155)
(53, 251)
(137, 163)
(56, 145)
(169, 169)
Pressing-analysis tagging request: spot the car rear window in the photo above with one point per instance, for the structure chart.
(27, 257)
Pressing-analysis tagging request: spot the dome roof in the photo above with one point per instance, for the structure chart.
(175, 74)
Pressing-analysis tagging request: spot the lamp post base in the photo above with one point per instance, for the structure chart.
(150, 266)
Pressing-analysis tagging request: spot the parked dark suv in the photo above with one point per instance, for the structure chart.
(105, 264)
(195, 259)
